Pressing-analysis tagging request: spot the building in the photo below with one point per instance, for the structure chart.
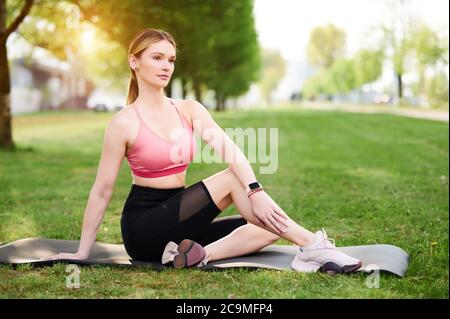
(46, 84)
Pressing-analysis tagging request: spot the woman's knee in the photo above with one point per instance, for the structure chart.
(224, 180)
(225, 203)
(233, 179)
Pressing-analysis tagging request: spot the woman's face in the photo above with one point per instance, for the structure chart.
(157, 60)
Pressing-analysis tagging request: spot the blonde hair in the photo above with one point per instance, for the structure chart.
(140, 42)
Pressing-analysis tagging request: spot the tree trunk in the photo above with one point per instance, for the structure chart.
(169, 89)
(399, 87)
(5, 99)
(197, 92)
(5, 84)
(217, 102)
(220, 102)
(183, 88)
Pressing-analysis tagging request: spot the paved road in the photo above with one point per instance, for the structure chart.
(437, 115)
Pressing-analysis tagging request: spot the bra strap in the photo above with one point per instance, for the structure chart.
(179, 114)
(137, 113)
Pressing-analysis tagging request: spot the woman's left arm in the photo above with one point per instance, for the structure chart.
(265, 209)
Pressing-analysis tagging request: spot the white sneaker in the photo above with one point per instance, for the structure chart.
(322, 254)
(170, 251)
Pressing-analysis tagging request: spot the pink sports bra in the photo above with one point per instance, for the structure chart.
(154, 156)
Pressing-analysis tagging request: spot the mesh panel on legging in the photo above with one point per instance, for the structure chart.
(193, 201)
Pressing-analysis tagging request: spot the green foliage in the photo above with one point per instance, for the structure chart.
(419, 44)
(402, 49)
(336, 75)
(436, 90)
(46, 27)
(368, 66)
(13, 8)
(274, 68)
(429, 47)
(315, 85)
(430, 51)
(326, 45)
(236, 56)
(106, 62)
(341, 77)
(224, 56)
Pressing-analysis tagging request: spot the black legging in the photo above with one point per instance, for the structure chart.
(152, 217)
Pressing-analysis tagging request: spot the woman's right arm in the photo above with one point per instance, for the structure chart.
(114, 148)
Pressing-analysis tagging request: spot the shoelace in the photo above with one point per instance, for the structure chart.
(324, 243)
(327, 242)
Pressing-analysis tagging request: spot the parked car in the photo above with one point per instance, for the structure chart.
(105, 101)
(100, 108)
(103, 107)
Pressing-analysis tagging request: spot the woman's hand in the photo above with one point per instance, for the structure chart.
(268, 212)
(76, 256)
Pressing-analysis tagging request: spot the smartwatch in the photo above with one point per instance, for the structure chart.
(254, 185)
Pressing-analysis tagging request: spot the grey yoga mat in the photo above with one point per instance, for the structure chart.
(386, 258)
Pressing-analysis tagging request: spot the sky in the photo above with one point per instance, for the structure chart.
(287, 24)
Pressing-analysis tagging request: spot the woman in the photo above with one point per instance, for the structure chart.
(160, 210)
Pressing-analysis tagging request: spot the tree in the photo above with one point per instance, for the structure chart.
(368, 66)
(315, 86)
(436, 89)
(429, 50)
(402, 49)
(341, 77)
(236, 56)
(5, 84)
(196, 44)
(52, 23)
(273, 70)
(326, 45)
(397, 38)
(224, 57)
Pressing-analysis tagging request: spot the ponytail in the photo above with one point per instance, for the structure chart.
(133, 89)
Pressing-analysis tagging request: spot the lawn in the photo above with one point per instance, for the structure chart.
(365, 178)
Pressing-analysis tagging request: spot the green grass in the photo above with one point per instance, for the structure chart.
(366, 178)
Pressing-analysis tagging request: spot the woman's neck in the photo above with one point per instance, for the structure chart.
(153, 99)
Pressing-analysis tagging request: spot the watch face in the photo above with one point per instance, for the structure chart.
(254, 185)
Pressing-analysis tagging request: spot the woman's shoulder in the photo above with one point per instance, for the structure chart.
(182, 103)
(185, 106)
(124, 116)
(191, 106)
(120, 122)
(127, 122)
(187, 103)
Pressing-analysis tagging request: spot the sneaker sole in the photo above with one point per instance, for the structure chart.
(302, 266)
(332, 268)
(188, 248)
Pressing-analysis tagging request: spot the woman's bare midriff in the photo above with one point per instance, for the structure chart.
(170, 181)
